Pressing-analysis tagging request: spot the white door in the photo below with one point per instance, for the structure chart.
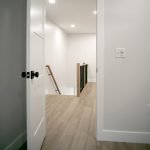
(35, 86)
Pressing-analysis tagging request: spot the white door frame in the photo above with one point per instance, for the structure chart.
(28, 68)
(100, 68)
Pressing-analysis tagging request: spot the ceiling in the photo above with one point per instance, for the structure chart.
(79, 12)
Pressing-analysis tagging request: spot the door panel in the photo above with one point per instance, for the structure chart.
(35, 62)
(37, 19)
(37, 87)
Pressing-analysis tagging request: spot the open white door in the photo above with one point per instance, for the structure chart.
(35, 86)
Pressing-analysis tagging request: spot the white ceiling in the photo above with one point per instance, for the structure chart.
(79, 12)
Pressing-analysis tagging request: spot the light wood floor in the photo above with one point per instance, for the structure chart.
(71, 124)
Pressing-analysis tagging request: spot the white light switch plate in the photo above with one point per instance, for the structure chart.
(120, 52)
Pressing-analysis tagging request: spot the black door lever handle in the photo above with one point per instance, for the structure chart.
(31, 75)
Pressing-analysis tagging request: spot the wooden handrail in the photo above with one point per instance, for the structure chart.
(50, 73)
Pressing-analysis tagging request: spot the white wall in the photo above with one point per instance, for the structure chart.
(62, 52)
(55, 56)
(122, 103)
(81, 48)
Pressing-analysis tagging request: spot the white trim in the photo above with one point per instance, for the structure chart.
(63, 90)
(100, 67)
(91, 80)
(124, 136)
(17, 142)
(28, 68)
(46, 92)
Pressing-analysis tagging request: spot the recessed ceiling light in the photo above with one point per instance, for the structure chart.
(72, 25)
(52, 1)
(95, 12)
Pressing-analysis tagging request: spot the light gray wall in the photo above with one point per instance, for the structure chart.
(12, 63)
(69, 49)
(126, 81)
(81, 49)
(55, 56)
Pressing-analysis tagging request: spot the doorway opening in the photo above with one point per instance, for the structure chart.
(70, 85)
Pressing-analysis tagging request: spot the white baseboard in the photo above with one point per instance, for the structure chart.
(18, 142)
(124, 136)
(67, 91)
(91, 80)
(48, 92)
(63, 90)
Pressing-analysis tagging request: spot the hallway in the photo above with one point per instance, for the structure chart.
(71, 124)
(71, 121)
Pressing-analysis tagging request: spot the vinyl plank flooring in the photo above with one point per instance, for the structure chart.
(71, 124)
